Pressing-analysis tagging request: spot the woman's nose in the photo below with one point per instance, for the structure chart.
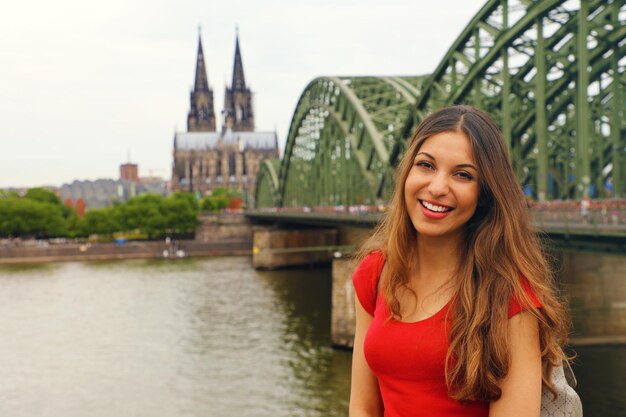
(438, 185)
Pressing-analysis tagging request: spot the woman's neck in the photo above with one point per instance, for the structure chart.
(437, 258)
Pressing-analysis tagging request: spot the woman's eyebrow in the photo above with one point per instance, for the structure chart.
(467, 166)
(426, 153)
(464, 165)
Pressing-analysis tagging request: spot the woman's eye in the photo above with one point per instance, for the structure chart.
(424, 164)
(465, 175)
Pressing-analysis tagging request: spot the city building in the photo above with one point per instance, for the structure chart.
(129, 171)
(105, 192)
(205, 159)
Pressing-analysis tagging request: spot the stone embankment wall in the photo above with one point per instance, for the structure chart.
(223, 226)
(128, 250)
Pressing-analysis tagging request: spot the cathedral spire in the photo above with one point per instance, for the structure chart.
(202, 82)
(238, 112)
(239, 81)
(201, 116)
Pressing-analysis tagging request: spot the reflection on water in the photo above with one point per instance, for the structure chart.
(206, 337)
(321, 373)
(601, 374)
(193, 338)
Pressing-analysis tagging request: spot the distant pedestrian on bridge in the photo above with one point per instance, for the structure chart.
(585, 205)
(456, 311)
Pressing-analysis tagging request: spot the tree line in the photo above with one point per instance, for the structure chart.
(40, 214)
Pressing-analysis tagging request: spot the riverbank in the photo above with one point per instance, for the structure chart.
(63, 252)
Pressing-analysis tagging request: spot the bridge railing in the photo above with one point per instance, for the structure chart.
(595, 216)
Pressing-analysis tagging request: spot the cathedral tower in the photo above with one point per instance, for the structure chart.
(201, 117)
(238, 112)
(205, 160)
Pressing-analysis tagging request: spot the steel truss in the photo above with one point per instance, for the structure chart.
(344, 139)
(551, 72)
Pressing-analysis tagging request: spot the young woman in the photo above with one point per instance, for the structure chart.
(456, 309)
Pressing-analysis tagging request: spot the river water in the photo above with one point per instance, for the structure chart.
(204, 337)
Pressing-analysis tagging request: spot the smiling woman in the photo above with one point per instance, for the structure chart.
(441, 189)
(456, 311)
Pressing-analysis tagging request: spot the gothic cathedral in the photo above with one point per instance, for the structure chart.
(205, 159)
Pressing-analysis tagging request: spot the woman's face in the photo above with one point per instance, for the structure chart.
(441, 190)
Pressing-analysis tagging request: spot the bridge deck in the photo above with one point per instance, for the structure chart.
(596, 228)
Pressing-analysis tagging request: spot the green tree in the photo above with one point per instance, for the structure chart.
(41, 214)
(31, 218)
(9, 194)
(101, 221)
(46, 196)
(188, 198)
(76, 225)
(43, 195)
(219, 199)
(181, 213)
(135, 213)
(215, 202)
(228, 192)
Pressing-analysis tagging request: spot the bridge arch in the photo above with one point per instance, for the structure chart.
(551, 72)
(344, 138)
(266, 192)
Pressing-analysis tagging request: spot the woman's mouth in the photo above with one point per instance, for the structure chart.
(434, 211)
(434, 208)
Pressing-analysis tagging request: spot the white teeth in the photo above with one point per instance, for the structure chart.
(433, 207)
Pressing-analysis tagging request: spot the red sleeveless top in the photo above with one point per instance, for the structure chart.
(408, 357)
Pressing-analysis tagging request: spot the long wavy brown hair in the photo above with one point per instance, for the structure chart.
(500, 245)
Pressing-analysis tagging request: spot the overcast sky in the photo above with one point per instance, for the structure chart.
(83, 84)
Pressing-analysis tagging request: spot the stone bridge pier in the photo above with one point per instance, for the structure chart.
(595, 286)
(278, 247)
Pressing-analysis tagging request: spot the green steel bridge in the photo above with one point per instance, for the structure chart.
(550, 72)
